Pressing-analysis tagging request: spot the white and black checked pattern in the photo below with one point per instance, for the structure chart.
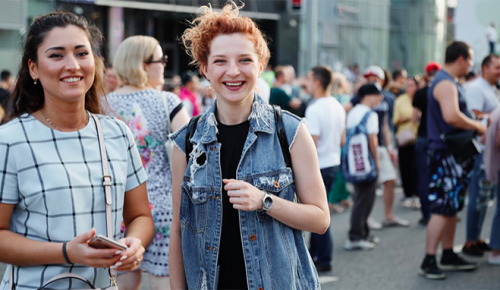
(55, 180)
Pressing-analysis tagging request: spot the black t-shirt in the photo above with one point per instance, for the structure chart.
(232, 273)
(420, 102)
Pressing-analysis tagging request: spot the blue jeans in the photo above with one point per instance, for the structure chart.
(422, 175)
(480, 192)
(322, 245)
(495, 226)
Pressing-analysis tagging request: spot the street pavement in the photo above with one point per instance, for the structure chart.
(395, 261)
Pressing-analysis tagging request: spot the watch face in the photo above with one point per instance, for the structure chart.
(268, 202)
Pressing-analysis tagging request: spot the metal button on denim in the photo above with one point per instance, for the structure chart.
(253, 238)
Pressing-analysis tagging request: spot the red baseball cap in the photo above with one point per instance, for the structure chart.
(432, 66)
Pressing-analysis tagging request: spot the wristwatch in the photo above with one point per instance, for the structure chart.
(267, 202)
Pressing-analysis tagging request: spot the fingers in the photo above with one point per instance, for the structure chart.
(84, 237)
(131, 262)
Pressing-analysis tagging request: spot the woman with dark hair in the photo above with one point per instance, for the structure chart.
(51, 177)
(236, 225)
(405, 119)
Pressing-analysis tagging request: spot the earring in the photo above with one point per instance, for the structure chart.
(35, 79)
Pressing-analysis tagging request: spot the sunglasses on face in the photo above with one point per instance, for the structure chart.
(162, 60)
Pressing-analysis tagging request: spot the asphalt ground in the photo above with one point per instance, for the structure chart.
(395, 261)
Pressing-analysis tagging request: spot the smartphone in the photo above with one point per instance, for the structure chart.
(102, 242)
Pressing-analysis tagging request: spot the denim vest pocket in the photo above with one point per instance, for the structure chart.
(193, 211)
(275, 182)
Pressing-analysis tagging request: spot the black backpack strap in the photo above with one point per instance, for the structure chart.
(191, 129)
(280, 129)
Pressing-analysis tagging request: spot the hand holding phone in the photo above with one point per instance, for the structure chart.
(102, 242)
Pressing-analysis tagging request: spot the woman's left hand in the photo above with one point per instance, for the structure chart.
(243, 195)
(132, 257)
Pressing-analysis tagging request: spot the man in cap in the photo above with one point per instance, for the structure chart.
(387, 174)
(370, 96)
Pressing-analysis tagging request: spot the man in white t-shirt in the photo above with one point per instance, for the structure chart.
(492, 36)
(364, 193)
(326, 123)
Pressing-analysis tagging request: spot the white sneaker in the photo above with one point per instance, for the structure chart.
(373, 224)
(494, 260)
(358, 245)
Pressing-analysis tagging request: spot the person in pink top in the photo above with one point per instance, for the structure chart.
(188, 93)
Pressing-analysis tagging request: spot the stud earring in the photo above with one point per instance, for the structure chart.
(35, 79)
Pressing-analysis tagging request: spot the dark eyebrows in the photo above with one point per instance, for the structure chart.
(62, 48)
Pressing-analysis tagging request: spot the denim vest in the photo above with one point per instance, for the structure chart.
(276, 256)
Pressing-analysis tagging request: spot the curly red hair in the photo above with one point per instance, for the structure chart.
(210, 24)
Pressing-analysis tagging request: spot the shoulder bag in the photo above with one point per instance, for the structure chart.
(462, 143)
(106, 181)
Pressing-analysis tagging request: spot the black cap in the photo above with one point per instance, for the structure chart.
(370, 89)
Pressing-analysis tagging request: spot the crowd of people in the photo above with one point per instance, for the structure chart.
(239, 158)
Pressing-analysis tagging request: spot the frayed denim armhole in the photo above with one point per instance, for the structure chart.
(292, 126)
(179, 138)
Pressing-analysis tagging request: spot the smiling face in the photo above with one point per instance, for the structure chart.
(65, 66)
(233, 67)
(155, 69)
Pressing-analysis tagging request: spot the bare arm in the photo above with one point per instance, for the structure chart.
(342, 140)
(447, 96)
(373, 144)
(137, 215)
(21, 251)
(177, 274)
(180, 119)
(315, 140)
(347, 106)
(312, 213)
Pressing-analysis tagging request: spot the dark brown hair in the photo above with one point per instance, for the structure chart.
(455, 50)
(29, 97)
(324, 75)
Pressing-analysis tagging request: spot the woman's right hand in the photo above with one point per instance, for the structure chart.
(480, 128)
(79, 252)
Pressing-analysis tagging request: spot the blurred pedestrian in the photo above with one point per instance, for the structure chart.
(232, 180)
(363, 121)
(338, 197)
(189, 93)
(449, 168)
(386, 154)
(398, 85)
(5, 87)
(278, 96)
(482, 100)
(492, 37)
(52, 179)
(111, 82)
(326, 122)
(492, 169)
(139, 65)
(407, 126)
(421, 146)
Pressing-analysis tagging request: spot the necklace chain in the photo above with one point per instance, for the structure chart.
(50, 121)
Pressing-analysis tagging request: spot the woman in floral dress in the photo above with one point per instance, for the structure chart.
(139, 64)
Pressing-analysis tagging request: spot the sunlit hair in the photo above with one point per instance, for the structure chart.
(130, 58)
(29, 97)
(338, 84)
(211, 24)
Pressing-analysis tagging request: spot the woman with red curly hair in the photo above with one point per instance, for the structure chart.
(236, 225)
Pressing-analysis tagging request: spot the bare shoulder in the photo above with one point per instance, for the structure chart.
(444, 88)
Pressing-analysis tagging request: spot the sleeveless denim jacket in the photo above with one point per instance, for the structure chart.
(276, 256)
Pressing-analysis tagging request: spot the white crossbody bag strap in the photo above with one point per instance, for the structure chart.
(106, 182)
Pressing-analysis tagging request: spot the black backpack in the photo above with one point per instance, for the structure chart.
(280, 128)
